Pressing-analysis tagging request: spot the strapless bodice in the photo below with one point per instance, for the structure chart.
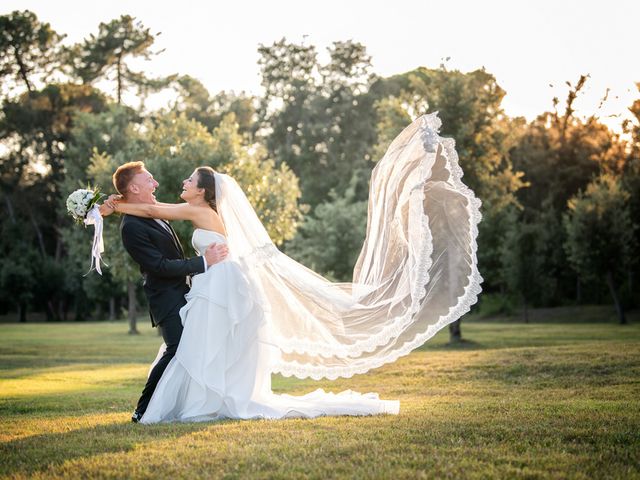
(202, 238)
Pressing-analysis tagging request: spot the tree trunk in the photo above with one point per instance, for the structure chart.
(525, 312)
(59, 246)
(616, 300)
(112, 309)
(77, 310)
(578, 291)
(119, 78)
(51, 311)
(455, 335)
(12, 215)
(22, 312)
(131, 289)
(36, 227)
(62, 309)
(23, 69)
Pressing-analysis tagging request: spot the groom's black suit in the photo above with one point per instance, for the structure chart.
(165, 270)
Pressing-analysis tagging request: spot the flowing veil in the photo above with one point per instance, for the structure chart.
(417, 270)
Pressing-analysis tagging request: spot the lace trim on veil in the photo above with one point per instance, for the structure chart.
(429, 125)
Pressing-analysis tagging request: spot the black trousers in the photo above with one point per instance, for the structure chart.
(171, 330)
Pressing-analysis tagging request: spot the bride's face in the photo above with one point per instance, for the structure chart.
(190, 190)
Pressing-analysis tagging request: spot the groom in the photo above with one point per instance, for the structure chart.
(153, 245)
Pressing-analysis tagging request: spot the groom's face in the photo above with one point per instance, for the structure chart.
(142, 186)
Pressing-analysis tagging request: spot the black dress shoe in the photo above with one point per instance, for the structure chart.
(135, 418)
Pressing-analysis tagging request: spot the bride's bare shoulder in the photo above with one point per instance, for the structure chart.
(209, 219)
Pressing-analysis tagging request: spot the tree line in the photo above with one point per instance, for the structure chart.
(560, 193)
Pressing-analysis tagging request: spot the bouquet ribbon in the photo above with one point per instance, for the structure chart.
(94, 218)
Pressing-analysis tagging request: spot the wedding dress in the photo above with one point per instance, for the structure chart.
(221, 368)
(260, 312)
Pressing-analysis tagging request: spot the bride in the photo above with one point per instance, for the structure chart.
(260, 312)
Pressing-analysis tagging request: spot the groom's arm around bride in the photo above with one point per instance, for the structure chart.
(154, 246)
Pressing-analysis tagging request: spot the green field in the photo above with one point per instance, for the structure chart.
(540, 400)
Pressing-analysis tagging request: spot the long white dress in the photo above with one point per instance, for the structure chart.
(261, 312)
(222, 365)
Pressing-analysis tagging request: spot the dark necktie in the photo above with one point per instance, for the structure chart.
(168, 226)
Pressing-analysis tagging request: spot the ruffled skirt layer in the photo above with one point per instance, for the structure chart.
(222, 365)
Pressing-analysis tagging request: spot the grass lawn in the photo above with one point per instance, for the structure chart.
(541, 400)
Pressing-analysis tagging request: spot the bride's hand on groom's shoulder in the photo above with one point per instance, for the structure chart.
(109, 205)
(106, 210)
(113, 200)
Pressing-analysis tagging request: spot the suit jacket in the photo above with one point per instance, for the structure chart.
(162, 264)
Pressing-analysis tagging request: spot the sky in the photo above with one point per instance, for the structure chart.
(532, 47)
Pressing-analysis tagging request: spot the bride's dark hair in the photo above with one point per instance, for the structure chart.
(207, 180)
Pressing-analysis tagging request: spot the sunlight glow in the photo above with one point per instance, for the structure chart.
(532, 48)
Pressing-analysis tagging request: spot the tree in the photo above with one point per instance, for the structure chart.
(197, 104)
(28, 48)
(561, 154)
(392, 116)
(35, 128)
(631, 181)
(348, 123)
(175, 146)
(100, 143)
(288, 73)
(34, 131)
(469, 105)
(172, 146)
(318, 119)
(18, 274)
(523, 254)
(106, 55)
(330, 240)
(600, 234)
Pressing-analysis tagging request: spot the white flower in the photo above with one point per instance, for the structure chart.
(80, 202)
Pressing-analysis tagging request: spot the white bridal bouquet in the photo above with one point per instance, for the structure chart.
(83, 207)
(80, 202)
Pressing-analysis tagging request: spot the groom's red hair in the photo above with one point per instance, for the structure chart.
(124, 174)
